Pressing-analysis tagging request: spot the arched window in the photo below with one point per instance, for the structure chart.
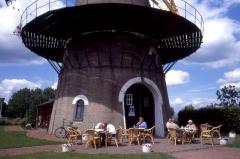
(79, 110)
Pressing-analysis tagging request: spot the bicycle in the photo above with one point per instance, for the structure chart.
(62, 132)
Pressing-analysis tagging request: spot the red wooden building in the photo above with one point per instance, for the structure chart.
(44, 111)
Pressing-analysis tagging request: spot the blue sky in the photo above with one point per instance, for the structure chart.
(193, 80)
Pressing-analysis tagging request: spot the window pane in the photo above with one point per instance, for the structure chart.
(129, 99)
(79, 110)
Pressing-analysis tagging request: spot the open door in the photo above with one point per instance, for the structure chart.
(139, 102)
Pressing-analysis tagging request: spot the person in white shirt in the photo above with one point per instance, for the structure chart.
(191, 126)
(111, 129)
(171, 125)
(99, 126)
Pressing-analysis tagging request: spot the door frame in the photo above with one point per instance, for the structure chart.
(157, 97)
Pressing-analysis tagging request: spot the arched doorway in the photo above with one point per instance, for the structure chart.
(139, 102)
(158, 102)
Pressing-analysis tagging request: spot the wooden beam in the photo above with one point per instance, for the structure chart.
(171, 5)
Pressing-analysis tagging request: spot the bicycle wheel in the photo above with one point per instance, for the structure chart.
(60, 132)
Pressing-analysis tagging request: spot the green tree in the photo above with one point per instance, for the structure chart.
(19, 103)
(24, 103)
(189, 107)
(4, 106)
(48, 94)
(228, 96)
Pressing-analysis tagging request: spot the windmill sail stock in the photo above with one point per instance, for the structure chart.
(8, 2)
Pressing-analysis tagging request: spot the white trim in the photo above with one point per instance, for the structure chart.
(158, 102)
(83, 97)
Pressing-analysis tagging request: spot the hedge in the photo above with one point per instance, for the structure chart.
(229, 117)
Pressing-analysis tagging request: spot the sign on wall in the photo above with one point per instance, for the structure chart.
(131, 110)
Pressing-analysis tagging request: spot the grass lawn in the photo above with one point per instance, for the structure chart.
(19, 139)
(236, 142)
(51, 155)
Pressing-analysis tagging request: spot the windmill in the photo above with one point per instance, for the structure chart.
(111, 56)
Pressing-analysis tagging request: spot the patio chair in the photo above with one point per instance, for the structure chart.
(148, 133)
(209, 134)
(123, 134)
(175, 136)
(134, 135)
(93, 138)
(216, 130)
(204, 127)
(74, 135)
(168, 134)
(188, 136)
(112, 138)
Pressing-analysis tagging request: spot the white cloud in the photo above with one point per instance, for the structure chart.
(9, 86)
(179, 103)
(220, 47)
(176, 77)
(55, 84)
(12, 49)
(230, 78)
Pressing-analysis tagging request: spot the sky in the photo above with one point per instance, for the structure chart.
(193, 80)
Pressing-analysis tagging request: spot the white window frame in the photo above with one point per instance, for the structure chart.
(129, 99)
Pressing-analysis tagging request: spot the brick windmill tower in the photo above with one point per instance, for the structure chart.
(111, 56)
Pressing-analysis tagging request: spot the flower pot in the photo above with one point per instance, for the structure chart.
(66, 147)
(223, 142)
(232, 135)
(146, 148)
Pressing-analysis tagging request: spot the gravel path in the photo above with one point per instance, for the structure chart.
(42, 134)
(13, 128)
(214, 153)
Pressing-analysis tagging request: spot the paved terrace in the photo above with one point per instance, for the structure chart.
(187, 151)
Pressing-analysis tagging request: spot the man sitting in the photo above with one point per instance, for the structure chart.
(171, 125)
(141, 123)
(191, 126)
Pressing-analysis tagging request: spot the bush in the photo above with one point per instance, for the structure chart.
(229, 117)
(16, 121)
(232, 118)
(3, 121)
(211, 115)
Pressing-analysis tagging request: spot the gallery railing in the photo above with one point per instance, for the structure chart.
(182, 8)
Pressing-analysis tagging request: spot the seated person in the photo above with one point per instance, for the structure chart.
(110, 128)
(171, 125)
(141, 123)
(99, 126)
(191, 126)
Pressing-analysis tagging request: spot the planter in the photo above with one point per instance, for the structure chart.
(223, 141)
(232, 135)
(66, 147)
(146, 148)
(84, 138)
